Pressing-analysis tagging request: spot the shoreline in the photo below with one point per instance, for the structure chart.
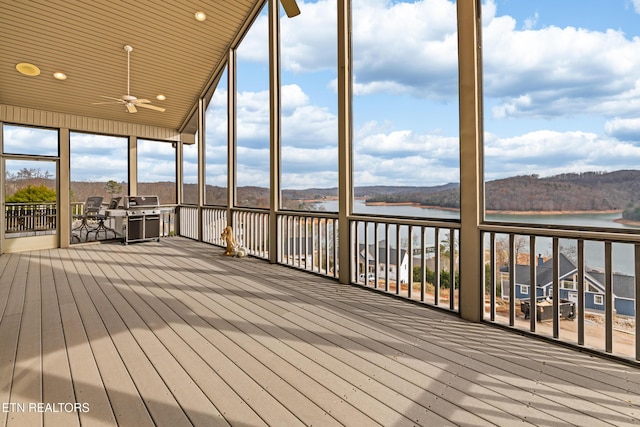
(497, 212)
(627, 222)
(507, 212)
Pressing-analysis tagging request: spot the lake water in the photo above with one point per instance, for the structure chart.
(623, 254)
(606, 220)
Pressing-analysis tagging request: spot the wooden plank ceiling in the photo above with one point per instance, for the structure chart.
(173, 54)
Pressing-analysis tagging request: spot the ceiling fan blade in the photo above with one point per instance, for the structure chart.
(140, 101)
(290, 8)
(151, 107)
(109, 102)
(131, 108)
(112, 98)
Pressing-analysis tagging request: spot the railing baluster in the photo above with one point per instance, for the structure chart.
(581, 305)
(512, 279)
(532, 284)
(452, 269)
(494, 273)
(636, 257)
(436, 267)
(608, 299)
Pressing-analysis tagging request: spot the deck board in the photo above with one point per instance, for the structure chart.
(28, 355)
(57, 382)
(127, 404)
(174, 333)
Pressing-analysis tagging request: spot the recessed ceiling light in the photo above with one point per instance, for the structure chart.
(60, 76)
(200, 16)
(28, 69)
(161, 97)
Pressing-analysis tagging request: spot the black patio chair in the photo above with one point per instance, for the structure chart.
(90, 212)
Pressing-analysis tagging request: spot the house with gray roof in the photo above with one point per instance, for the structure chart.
(594, 294)
(387, 261)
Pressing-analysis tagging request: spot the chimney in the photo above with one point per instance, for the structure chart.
(540, 260)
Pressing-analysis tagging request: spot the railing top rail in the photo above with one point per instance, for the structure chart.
(310, 214)
(252, 210)
(563, 232)
(29, 203)
(407, 221)
(215, 207)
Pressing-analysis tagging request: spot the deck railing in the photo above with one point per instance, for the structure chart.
(413, 259)
(214, 220)
(168, 221)
(251, 229)
(188, 220)
(573, 286)
(309, 241)
(30, 217)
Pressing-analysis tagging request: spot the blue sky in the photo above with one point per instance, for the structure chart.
(562, 93)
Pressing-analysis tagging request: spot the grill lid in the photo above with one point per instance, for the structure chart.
(137, 202)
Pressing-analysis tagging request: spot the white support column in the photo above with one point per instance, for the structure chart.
(202, 152)
(231, 134)
(471, 158)
(64, 182)
(344, 140)
(179, 152)
(274, 130)
(133, 166)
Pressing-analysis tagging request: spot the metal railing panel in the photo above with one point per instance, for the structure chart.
(403, 259)
(578, 290)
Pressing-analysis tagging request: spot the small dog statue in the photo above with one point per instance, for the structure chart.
(233, 249)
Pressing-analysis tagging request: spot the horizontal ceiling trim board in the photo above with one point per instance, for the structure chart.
(31, 117)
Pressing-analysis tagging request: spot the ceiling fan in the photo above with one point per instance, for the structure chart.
(128, 100)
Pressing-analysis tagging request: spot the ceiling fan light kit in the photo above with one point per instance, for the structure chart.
(28, 69)
(129, 101)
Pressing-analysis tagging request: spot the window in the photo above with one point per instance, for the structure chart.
(99, 166)
(568, 284)
(30, 141)
(524, 289)
(216, 147)
(190, 173)
(309, 125)
(405, 108)
(598, 299)
(554, 94)
(252, 117)
(157, 170)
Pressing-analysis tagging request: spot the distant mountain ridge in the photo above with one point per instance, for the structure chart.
(588, 191)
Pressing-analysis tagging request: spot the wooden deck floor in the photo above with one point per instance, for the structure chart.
(175, 334)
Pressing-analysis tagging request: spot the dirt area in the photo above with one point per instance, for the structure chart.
(594, 324)
(594, 330)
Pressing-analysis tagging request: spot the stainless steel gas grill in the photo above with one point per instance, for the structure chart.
(141, 216)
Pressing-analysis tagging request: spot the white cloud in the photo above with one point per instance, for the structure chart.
(531, 22)
(309, 41)
(292, 96)
(383, 156)
(547, 153)
(624, 128)
(307, 158)
(559, 71)
(407, 142)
